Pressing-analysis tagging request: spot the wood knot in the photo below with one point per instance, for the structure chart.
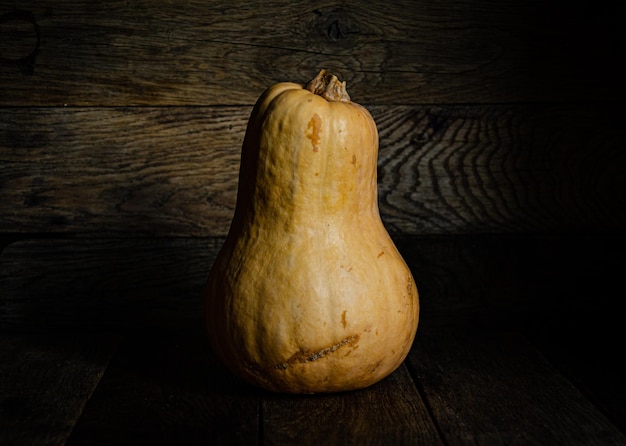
(337, 31)
(337, 25)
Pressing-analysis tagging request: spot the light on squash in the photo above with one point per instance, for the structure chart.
(309, 293)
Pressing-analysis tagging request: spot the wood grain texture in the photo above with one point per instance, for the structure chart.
(442, 169)
(389, 412)
(495, 389)
(148, 52)
(104, 169)
(45, 383)
(166, 389)
(502, 169)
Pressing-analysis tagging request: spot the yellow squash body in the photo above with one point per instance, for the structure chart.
(309, 293)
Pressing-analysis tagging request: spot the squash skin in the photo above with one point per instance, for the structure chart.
(309, 293)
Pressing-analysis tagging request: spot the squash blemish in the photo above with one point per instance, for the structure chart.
(313, 131)
(304, 356)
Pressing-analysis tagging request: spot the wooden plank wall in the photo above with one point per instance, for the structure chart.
(501, 163)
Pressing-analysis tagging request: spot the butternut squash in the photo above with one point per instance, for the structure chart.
(309, 293)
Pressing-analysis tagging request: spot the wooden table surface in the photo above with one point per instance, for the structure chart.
(455, 388)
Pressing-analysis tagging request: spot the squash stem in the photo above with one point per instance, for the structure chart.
(327, 85)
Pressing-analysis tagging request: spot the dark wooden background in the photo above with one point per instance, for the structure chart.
(501, 171)
(502, 154)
